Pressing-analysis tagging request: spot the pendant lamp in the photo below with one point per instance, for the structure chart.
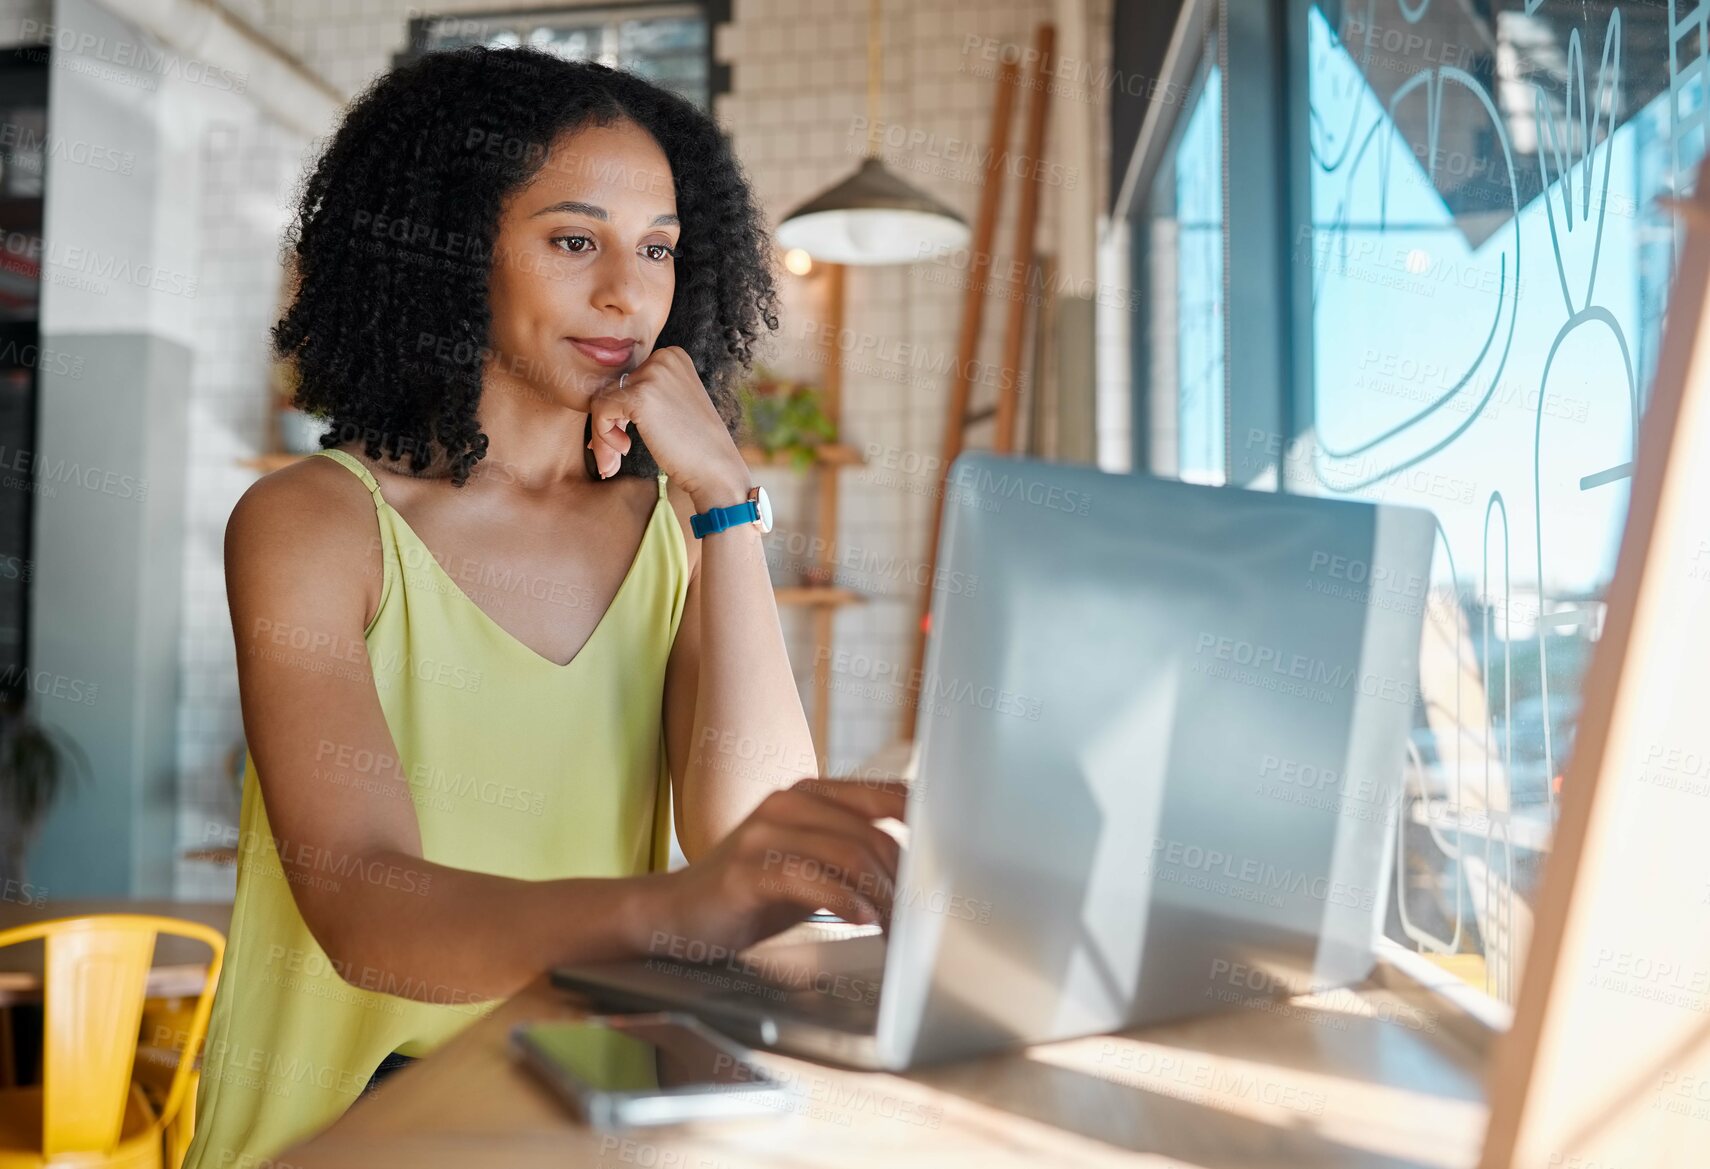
(872, 217)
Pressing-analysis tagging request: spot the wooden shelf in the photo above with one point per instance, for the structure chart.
(271, 461)
(218, 856)
(828, 596)
(831, 454)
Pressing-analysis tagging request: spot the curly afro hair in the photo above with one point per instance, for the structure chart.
(394, 235)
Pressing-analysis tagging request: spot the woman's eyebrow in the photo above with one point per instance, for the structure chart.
(592, 212)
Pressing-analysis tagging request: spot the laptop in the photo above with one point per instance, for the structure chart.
(1159, 763)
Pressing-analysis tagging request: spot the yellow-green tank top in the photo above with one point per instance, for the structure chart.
(517, 766)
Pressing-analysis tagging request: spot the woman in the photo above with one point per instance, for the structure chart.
(480, 653)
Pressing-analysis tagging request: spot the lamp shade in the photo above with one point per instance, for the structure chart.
(872, 217)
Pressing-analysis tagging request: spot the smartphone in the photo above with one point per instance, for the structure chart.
(620, 1071)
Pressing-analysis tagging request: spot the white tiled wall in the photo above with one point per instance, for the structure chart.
(798, 84)
(249, 166)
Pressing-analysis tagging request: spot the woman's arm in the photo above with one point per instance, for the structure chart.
(734, 727)
(302, 569)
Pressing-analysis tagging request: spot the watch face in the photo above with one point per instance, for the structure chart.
(764, 503)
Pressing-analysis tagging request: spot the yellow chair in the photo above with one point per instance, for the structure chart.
(89, 1112)
(156, 1065)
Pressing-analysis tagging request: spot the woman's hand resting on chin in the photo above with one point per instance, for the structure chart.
(664, 399)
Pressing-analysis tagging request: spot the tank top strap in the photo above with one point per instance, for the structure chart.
(661, 485)
(391, 561)
(361, 471)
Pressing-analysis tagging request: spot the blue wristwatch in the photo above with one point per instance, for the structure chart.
(756, 510)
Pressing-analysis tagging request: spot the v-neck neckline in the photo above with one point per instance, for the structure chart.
(507, 635)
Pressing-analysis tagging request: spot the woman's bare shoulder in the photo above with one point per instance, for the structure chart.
(311, 495)
(310, 521)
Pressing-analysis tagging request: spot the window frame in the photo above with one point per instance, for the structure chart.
(1159, 130)
(1261, 47)
(1162, 420)
(713, 13)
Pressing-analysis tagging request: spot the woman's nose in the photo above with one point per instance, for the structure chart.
(617, 285)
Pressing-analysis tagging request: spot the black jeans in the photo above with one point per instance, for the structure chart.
(392, 1063)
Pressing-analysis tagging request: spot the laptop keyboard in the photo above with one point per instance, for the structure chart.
(851, 999)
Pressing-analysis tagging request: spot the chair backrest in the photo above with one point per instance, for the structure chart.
(95, 979)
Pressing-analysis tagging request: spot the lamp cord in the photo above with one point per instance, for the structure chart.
(874, 76)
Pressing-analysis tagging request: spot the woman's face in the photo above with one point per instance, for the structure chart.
(583, 272)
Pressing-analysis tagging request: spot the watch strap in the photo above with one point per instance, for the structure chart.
(717, 519)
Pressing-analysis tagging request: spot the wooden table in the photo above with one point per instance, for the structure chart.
(1390, 1075)
(180, 964)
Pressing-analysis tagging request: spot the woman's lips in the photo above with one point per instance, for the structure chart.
(606, 350)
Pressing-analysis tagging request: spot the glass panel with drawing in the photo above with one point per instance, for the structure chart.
(1489, 271)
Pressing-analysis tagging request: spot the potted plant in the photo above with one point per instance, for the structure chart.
(35, 767)
(783, 417)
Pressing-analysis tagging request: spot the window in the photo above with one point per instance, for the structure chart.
(1488, 268)
(1476, 275)
(666, 43)
(1184, 250)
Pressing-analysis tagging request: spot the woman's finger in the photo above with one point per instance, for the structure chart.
(610, 420)
(613, 434)
(826, 870)
(848, 875)
(811, 898)
(798, 807)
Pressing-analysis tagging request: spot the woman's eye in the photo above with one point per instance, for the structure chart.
(660, 252)
(583, 241)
